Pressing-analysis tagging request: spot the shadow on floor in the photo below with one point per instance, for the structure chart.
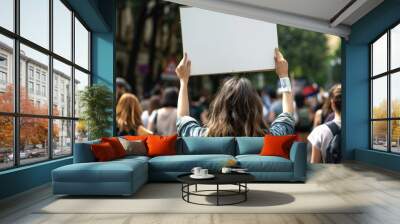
(255, 198)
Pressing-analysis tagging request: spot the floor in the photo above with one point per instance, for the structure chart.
(378, 188)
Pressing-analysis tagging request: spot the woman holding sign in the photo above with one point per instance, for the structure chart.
(236, 109)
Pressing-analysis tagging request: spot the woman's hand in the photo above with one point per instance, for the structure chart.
(281, 65)
(183, 69)
(183, 73)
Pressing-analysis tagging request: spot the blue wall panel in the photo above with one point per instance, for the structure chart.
(103, 52)
(356, 100)
(380, 159)
(356, 84)
(89, 11)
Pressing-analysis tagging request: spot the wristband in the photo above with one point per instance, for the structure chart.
(285, 85)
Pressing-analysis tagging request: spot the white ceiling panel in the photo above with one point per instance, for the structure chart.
(321, 9)
(325, 16)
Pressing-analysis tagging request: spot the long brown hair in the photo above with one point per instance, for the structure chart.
(335, 96)
(128, 112)
(236, 110)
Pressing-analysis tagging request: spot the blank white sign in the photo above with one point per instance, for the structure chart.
(218, 43)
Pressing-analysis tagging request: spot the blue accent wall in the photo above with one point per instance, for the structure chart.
(89, 11)
(99, 16)
(103, 52)
(356, 85)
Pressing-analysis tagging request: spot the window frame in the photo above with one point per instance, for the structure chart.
(388, 74)
(16, 115)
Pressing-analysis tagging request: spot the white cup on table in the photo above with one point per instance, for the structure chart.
(203, 172)
(197, 171)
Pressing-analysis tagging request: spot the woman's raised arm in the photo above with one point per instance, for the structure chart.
(183, 72)
(282, 71)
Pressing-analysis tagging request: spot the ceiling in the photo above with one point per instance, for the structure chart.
(326, 16)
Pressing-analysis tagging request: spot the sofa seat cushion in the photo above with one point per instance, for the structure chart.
(185, 163)
(112, 171)
(133, 158)
(257, 163)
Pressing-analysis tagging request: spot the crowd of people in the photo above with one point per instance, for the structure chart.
(237, 109)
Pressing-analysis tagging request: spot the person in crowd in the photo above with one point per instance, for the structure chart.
(304, 114)
(310, 92)
(276, 107)
(325, 113)
(128, 116)
(121, 87)
(321, 137)
(195, 106)
(236, 110)
(267, 101)
(153, 105)
(163, 120)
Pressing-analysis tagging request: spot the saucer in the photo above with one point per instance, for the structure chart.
(208, 176)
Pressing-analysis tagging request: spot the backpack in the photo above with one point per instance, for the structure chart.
(334, 152)
(155, 122)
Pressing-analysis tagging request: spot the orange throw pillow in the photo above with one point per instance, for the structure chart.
(277, 145)
(135, 137)
(116, 145)
(161, 145)
(103, 152)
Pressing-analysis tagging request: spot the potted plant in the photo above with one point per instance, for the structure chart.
(96, 104)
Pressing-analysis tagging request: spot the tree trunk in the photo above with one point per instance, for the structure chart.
(150, 77)
(139, 17)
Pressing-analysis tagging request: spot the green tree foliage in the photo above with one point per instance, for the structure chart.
(336, 58)
(380, 127)
(96, 102)
(306, 52)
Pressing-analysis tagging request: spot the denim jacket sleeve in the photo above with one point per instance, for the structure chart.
(283, 125)
(189, 127)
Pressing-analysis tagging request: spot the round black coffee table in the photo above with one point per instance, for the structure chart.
(238, 179)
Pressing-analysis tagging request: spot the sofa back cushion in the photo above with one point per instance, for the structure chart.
(83, 152)
(249, 145)
(206, 145)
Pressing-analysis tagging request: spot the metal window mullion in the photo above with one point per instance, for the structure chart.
(384, 119)
(389, 106)
(371, 137)
(73, 82)
(89, 52)
(16, 85)
(50, 81)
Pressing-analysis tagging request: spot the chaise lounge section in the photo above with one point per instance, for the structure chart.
(125, 176)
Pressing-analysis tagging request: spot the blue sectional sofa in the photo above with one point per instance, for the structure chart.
(125, 176)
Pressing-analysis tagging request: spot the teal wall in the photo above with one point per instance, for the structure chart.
(99, 15)
(356, 85)
(103, 51)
